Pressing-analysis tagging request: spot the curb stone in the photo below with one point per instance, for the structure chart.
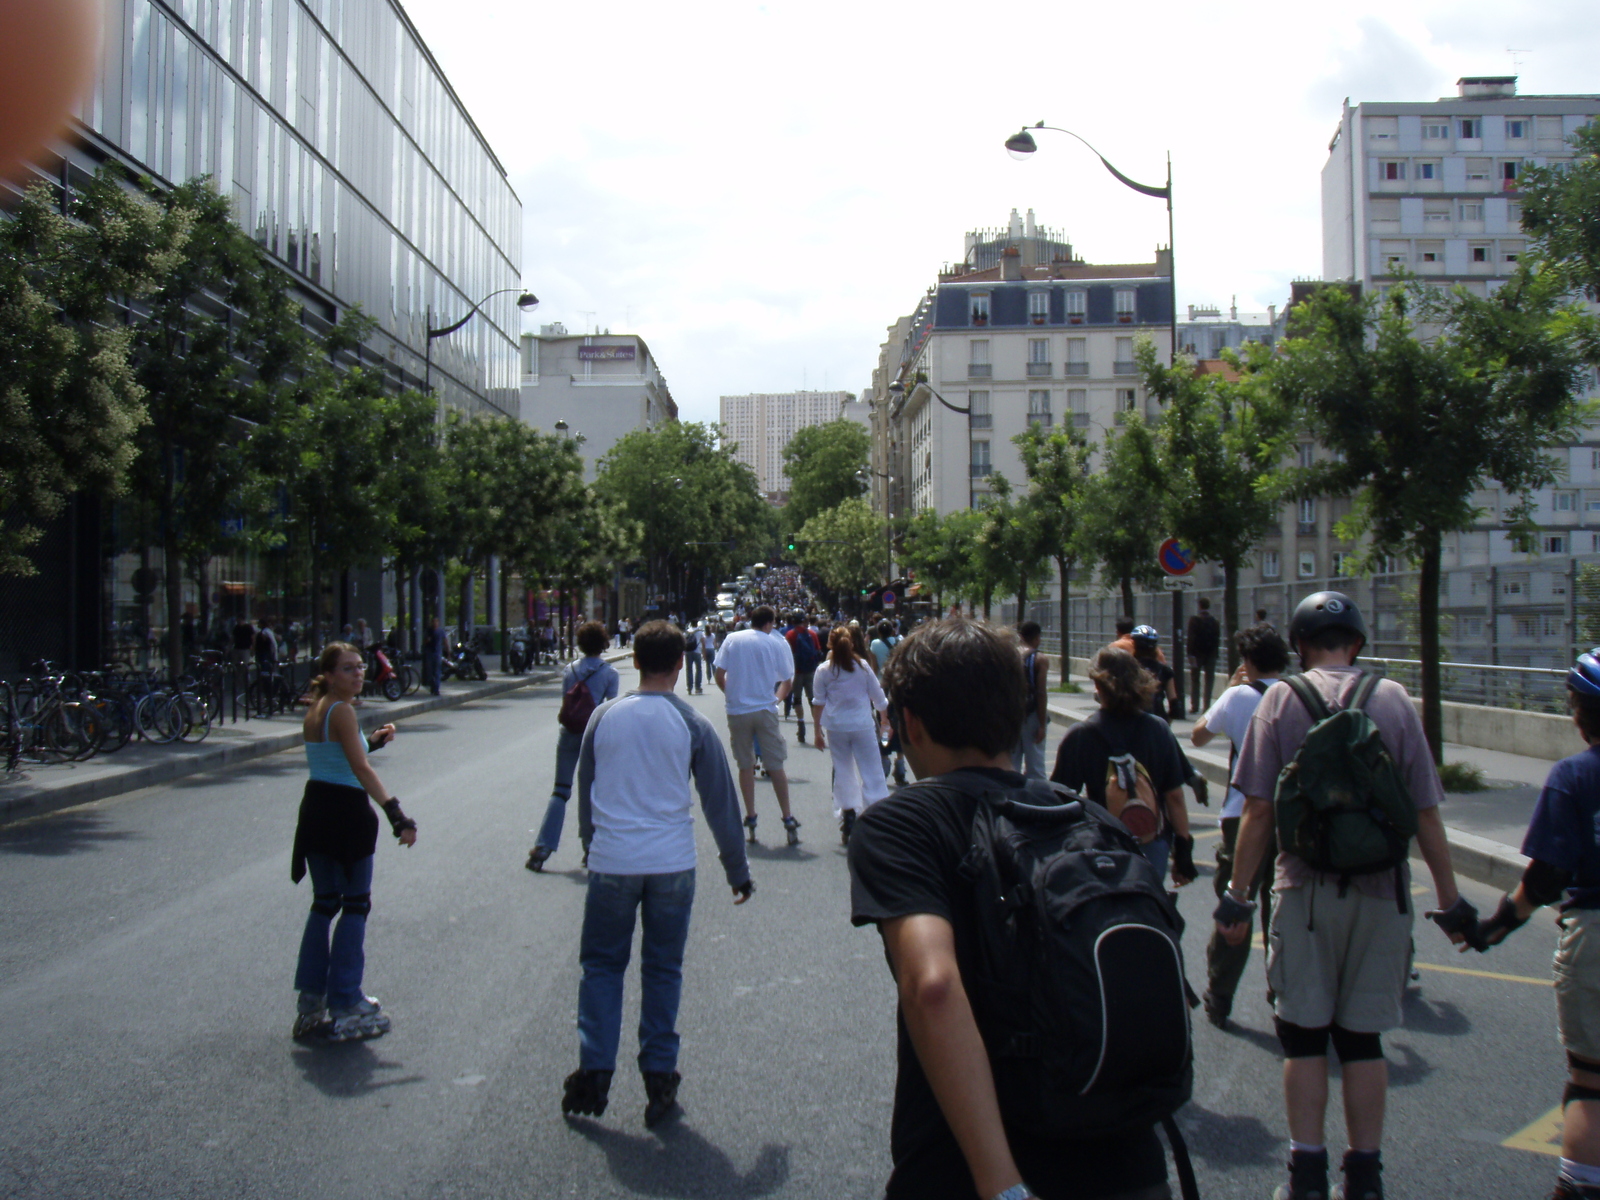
(20, 801)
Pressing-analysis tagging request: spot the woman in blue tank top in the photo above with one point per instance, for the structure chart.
(335, 840)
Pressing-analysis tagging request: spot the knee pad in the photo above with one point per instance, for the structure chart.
(1582, 1064)
(1299, 1042)
(1356, 1047)
(358, 906)
(325, 904)
(1577, 1091)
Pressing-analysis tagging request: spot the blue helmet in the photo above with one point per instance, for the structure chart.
(1145, 633)
(1584, 678)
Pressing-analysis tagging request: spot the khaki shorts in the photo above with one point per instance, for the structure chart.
(1577, 973)
(1349, 969)
(746, 729)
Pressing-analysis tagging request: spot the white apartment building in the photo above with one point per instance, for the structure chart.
(762, 423)
(601, 386)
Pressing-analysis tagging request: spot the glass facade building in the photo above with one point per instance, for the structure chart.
(346, 154)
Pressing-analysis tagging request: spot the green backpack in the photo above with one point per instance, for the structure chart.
(1341, 803)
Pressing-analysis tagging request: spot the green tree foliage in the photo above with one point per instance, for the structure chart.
(1012, 546)
(935, 550)
(1222, 447)
(1420, 421)
(70, 403)
(822, 462)
(678, 485)
(842, 545)
(1561, 212)
(1057, 466)
(1124, 509)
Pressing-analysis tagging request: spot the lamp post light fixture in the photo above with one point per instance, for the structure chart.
(899, 389)
(527, 302)
(1020, 145)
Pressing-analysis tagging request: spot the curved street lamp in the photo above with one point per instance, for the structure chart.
(899, 389)
(527, 302)
(1021, 144)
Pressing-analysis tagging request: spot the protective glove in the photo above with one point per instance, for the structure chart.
(1183, 860)
(1461, 917)
(1493, 931)
(1233, 912)
(398, 821)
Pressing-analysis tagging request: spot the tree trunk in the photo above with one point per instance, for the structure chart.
(988, 594)
(1428, 615)
(402, 626)
(1066, 634)
(1230, 612)
(1127, 595)
(172, 566)
(505, 619)
(1022, 601)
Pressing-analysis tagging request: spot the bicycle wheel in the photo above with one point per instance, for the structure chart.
(410, 678)
(167, 719)
(118, 722)
(72, 730)
(197, 715)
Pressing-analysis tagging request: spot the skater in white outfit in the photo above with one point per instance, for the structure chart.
(848, 703)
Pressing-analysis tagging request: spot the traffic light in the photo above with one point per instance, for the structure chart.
(791, 547)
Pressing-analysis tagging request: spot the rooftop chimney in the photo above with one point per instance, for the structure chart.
(1029, 228)
(1011, 264)
(1486, 87)
(1016, 224)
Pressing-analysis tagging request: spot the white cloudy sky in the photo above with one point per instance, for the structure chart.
(760, 189)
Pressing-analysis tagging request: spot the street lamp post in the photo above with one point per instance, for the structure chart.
(1021, 144)
(527, 302)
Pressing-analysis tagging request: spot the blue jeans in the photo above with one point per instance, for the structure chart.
(664, 902)
(1158, 852)
(347, 893)
(1027, 756)
(555, 814)
(691, 670)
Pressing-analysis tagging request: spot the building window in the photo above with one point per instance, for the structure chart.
(1480, 254)
(1514, 213)
(1555, 543)
(978, 359)
(1127, 400)
(1307, 517)
(1427, 170)
(1125, 297)
(1078, 403)
(1394, 170)
(980, 308)
(1077, 356)
(1564, 501)
(1436, 131)
(1269, 564)
(1039, 407)
(1305, 453)
(1512, 587)
(1508, 173)
(980, 459)
(1341, 564)
(980, 416)
(1430, 256)
(1525, 627)
(1516, 129)
(1308, 564)
(1038, 356)
(1471, 212)
(1471, 127)
(1076, 304)
(1124, 363)
(1038, 307)
(1478, 169)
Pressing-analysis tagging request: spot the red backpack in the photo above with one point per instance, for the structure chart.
(577, 704)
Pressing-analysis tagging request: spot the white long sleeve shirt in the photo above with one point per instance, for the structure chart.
(847, 698)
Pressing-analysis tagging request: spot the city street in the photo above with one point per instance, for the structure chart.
(147, 963)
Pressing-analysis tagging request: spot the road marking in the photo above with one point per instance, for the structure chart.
(1422, 966)
(1420, 890)
(1200, 837)
(1542, 1137)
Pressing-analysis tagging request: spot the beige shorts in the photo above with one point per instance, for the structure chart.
(1349, 968)
(1577, 973)
(746, 729)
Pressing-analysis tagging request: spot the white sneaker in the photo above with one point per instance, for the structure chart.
(363, 1019)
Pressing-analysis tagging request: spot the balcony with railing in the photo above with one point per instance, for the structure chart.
(1039, 370)
(980, 370)
(1077, 368)
(1125, 367)
(1039, 418)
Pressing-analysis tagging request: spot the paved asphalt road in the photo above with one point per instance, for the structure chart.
(145, 980)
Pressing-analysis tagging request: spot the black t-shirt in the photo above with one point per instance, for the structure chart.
(1085, 749)
(1162, 674)
(905, 855)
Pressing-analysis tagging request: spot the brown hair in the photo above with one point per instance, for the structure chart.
(964, 681)
(1124, 686)
(326, 662)
(842, 649)
(658, 647)
(592, 638)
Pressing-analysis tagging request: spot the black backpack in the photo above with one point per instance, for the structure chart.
(1077, 980)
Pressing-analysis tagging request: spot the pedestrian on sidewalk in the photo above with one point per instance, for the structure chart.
(601, 683)
(1563, 850)
(433, 656)
(336, 839)
(636, 818)
(1263, 657)
(1347, 933)
(691, 661)
(1205, 638)
(848, 702)
(1028, 755)
(755, 671)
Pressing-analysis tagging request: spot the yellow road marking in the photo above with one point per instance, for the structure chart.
(1200, 837)
(1422, 966)
(1420, 891)
(1542, 1137)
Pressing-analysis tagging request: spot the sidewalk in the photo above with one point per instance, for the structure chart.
(1485, 828)
(36, 790)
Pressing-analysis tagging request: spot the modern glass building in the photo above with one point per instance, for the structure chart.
(346, 153)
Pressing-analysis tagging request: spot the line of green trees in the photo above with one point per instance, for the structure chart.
(155, 357)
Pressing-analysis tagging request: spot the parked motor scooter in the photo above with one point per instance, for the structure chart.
(463, 661)
(384, 677)
(520, 653)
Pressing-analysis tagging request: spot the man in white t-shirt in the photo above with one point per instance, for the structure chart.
(755, 672)
(1263, 657)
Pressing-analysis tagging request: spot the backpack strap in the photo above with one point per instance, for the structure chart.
(1365, 686)
(1310, 697)
(1187, 1186)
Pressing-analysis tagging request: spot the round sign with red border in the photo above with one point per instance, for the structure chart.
(1174, 559)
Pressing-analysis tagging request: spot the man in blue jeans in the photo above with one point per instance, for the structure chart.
(638, 827)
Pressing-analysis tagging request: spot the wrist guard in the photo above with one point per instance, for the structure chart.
(1460, 917)
(1183, 857)
(747, 888)
(398, 821)
(1233, 912)
(1493, 931)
